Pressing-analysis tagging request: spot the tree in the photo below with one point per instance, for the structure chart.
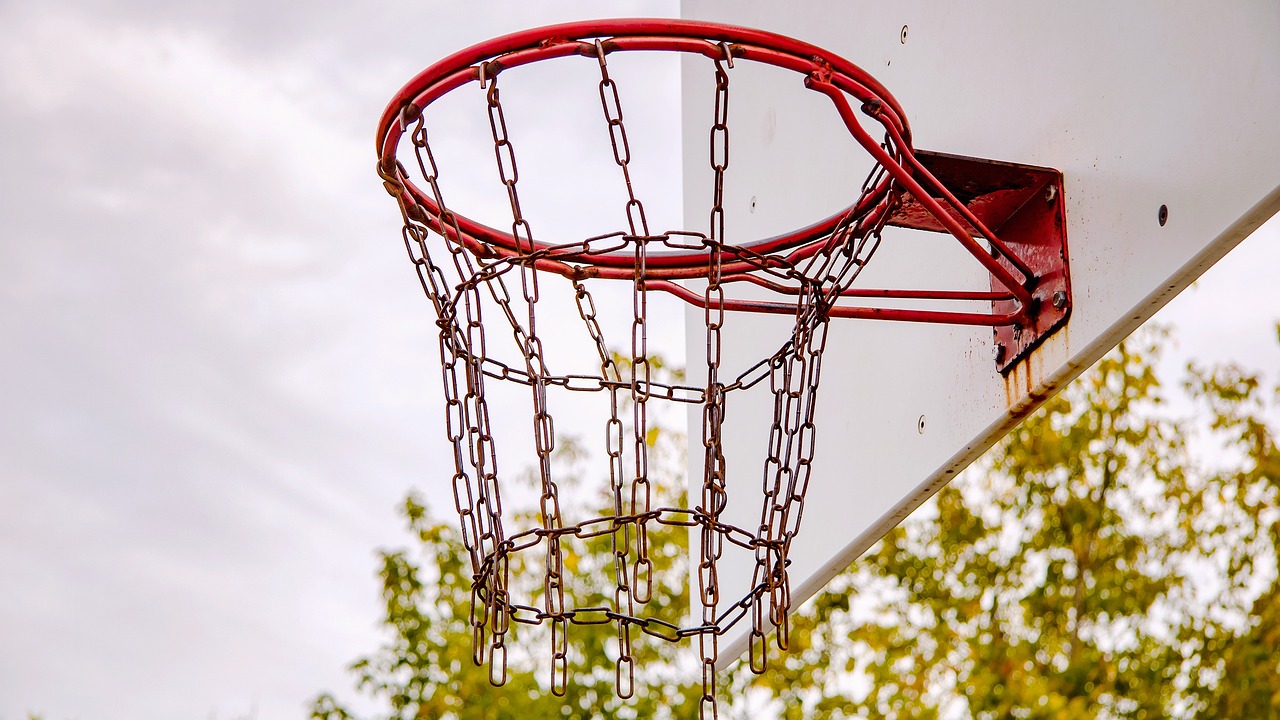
(1106, 559)
(1092, 565)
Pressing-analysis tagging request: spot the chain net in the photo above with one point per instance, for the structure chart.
(462, 280)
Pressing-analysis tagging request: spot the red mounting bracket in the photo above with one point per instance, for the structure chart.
(1023, 205)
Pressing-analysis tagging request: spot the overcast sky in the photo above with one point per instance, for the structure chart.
(217, 370)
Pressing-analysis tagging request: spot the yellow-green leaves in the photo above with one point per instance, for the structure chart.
(1091, 565)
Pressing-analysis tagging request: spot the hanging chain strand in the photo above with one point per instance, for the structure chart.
(635, 588)
(466, 417)
(713, 492)
(543, 428)
(636, 222)
(623, 598)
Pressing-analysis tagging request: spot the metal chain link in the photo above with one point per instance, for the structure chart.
(632, 579)
(815, 279)
(543, 427)
(636, 221)
(713, 490)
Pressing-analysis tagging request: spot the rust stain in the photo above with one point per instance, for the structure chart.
(1026, 385)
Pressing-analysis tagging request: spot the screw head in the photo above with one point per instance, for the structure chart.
(1060, 299)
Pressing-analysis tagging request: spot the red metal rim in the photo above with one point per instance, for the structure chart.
(713, 40)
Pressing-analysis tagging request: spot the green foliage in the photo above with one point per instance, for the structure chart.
(1087, 567)
(1106, 559)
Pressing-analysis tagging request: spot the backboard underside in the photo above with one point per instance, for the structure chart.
(1160, 118)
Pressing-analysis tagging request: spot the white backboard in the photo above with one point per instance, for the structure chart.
(1141, 105)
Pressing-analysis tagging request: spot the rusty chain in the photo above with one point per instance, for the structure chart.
(793, 373)
(543, 426)
(631, 577)
(713, 492)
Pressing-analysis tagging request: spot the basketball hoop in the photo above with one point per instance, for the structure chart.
(806, 273)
